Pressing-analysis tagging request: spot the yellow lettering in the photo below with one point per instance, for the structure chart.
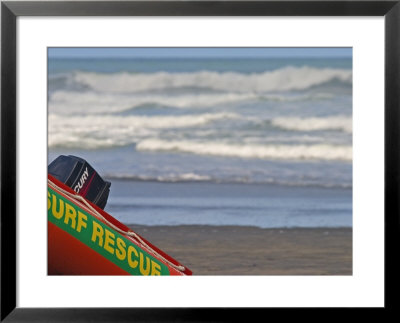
(57, 214)
(120, 252)
(97, 233)
(82, 218)
(48, 201)
(70, 213)
(132, 263)
(155, 268)
(144, 271)
(109, 240)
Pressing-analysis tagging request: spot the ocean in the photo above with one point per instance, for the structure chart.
(263, 142)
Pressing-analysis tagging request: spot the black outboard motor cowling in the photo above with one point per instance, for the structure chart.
(76, 173)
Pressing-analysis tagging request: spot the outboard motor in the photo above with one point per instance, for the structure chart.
(76, 173)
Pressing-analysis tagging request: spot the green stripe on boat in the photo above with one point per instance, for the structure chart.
(101, 238)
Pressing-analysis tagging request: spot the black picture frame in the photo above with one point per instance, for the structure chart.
(10, 10)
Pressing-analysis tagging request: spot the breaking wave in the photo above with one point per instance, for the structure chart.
(70, 103)
(342, 123)
(283, 79)
(193, 177)
(105, 131)
(90, 102)
(318, 151)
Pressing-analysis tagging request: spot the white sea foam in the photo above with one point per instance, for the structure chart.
(343, 123)
(90, 102)
(128, 122)
(192, 177)
(69, 103)
(96, 131)
(284, 79)
(320, 151)
(171, 178)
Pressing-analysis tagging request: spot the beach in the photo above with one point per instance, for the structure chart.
(241, 229)
(245, 250)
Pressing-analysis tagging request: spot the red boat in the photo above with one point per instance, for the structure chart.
(83, 239)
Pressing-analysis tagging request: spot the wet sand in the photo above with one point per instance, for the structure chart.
(236, 250)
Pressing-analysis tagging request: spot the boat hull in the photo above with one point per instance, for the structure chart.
(85, 240)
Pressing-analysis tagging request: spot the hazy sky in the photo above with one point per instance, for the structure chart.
(198, 52)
